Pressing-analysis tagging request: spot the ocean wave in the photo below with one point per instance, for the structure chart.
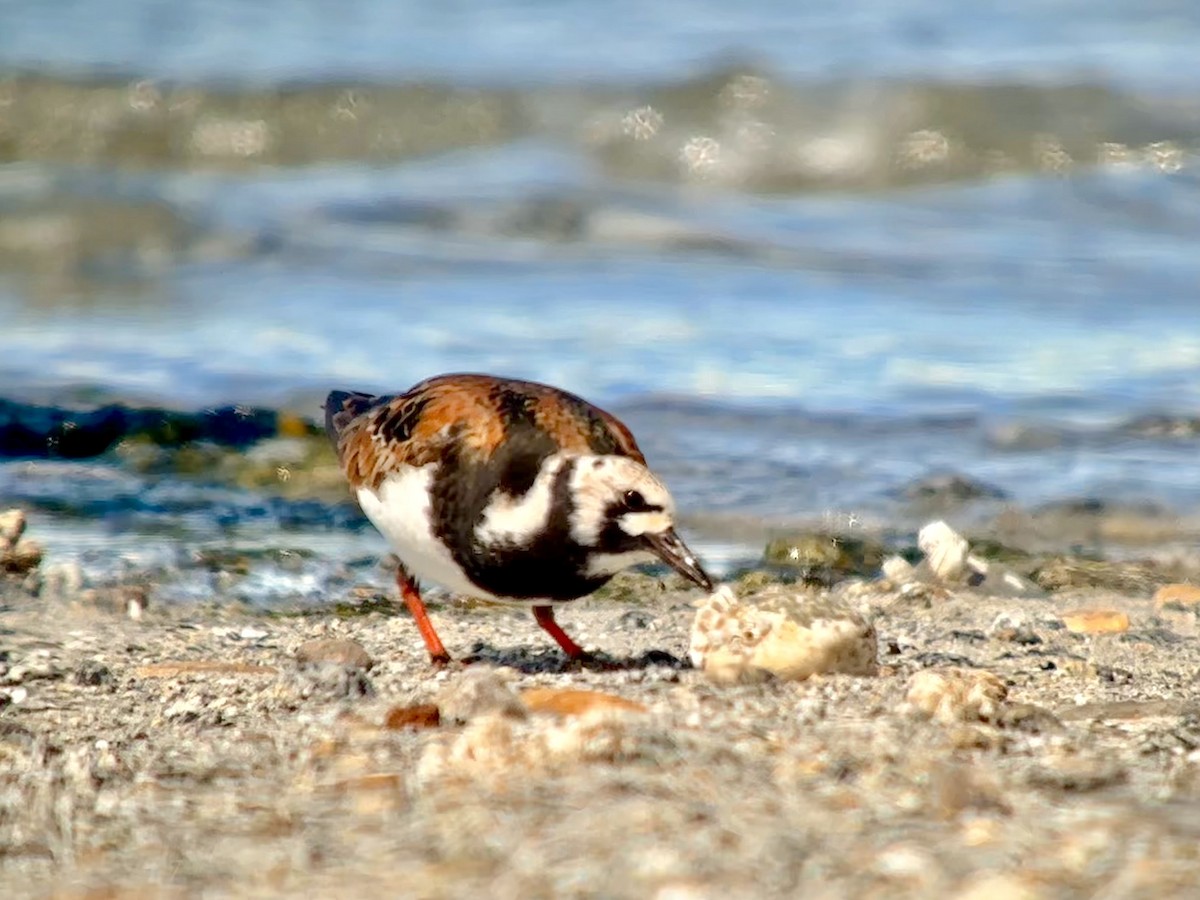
(737, 129)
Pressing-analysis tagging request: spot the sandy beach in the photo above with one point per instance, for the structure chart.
(215, 750)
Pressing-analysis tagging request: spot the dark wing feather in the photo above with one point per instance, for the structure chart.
(481, 423)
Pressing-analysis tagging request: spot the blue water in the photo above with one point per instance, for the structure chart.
(618, 40)
(910, 232)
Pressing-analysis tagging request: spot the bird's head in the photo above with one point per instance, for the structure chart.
(624, 515)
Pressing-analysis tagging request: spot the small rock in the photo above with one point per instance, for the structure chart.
(337, 651)
(16, 695)
(948, 488)
(1014, 627)
(12, 526)
(945, 550)
(22, 558)
(1096, 621)
(252, 633)
(825, 557)
(782, 633)
(568, 702)
(414, 718)
(948, 560)
(479, 691)
(334, 682)
(997, 580)
(92, 674)
(955, 695)
(1177, 596)
(1129, 578)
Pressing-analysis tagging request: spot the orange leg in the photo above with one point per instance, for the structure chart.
(545, 617)
(412, 599)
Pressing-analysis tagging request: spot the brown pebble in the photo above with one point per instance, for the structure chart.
(22, 557)
(1096, 621)
(569, 702)
(422, 715)
(338, 651)
(1177, 596)
(201, 667)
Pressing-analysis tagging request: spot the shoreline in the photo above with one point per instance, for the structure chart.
(212, 748)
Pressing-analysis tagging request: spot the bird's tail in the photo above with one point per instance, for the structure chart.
(342, 408)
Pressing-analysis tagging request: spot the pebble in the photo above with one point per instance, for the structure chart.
(945, 550)
(1096, 621)
(17, 694)
(948, 560)
(416, 717)
(1177, 596)
(92, 674)
(12, 526)
(23, 557)
(955, 695)
(337, 651)
(332, 681)
(948, 488)
(18, 554)
(1014, 627)
(782, 633)
(565, 702)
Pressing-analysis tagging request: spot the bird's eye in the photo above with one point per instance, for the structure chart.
(634, 501)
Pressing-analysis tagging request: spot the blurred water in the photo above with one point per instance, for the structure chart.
(812, 254)
(616, 40)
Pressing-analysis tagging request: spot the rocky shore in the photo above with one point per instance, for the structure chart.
(1044, 743)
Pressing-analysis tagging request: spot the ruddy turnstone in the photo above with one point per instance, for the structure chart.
(505, 490)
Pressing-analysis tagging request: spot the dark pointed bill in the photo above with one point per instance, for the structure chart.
(674, 552)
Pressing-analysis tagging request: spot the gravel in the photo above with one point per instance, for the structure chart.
(996, 754)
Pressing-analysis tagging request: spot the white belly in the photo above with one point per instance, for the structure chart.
(401, 511)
